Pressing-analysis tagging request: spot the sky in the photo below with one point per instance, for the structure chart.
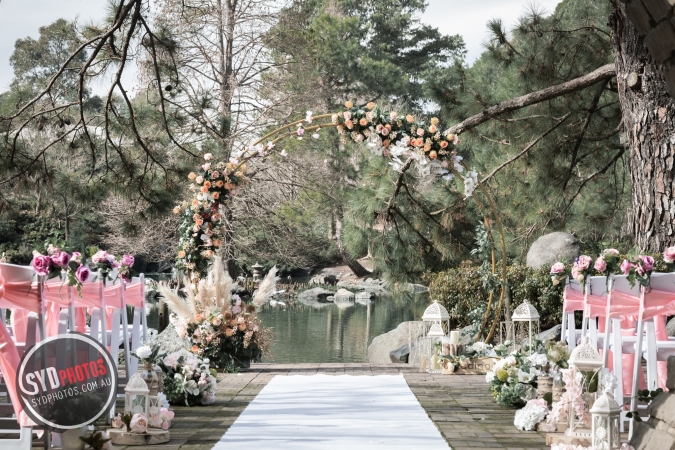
(22, 18)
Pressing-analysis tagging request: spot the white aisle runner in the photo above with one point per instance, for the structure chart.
(334, 412)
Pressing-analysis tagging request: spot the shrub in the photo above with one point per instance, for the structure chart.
(461, 291)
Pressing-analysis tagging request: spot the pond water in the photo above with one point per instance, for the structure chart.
(326, 332)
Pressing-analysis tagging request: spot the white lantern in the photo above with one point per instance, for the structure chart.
(434, 314)
(136, 396)
(584, 358)
(435, 335)
(605, 415)
(524, 325)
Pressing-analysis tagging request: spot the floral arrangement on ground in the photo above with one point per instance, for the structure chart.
(220, 326)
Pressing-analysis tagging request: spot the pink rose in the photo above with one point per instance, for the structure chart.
(647, 263)
(100, 256)
(127, 260)
(600, 264)
(584, 262)
(558, 268)
(82, 273)
(216, 322)
(393, 115)
(385, 131)
(215, 174)
(117, 422)
(41, 264)
(576, 274)
(301, 131)
(420, 131)
(77, 256)
(611, 251)
(138, 424)
(626, 266)
(60, 259)
(669, 255)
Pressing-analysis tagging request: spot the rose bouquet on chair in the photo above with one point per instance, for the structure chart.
(638, 267)
(59, 263)
(220, 326)
(559, 273)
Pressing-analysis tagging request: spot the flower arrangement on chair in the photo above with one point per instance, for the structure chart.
(59, 263)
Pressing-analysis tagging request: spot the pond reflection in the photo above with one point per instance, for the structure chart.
(327, 332)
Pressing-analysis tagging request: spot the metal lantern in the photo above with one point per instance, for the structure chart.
(136, 396)
(434, 314)
(436, 334)
(605, 415)
(584, 358)
(524, 325)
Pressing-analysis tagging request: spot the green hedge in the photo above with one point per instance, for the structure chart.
(461, 291)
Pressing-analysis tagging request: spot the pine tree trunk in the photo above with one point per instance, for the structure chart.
(353, 264)
(649, 121)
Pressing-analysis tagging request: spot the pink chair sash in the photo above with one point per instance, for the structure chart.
(627, 360)
(595, 305)
(620, 304)
(9, 363)
(113, 300)
(91, 297)
(572, 300)
(134, 295)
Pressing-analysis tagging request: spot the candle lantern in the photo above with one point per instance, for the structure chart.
(585, 359)
(605, 415)
(435, 314)
(435, 335)
(524, 326)
(136, 396)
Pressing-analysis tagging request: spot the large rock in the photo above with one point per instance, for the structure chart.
(550, 334)
(169, 341)
(382, 345)
(343, 294)
(314, 294)
(671, 327)
(400, 355)
(551, 248)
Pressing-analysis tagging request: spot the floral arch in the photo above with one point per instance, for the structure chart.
(407, 142)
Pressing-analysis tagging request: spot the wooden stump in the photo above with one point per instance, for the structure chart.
(151, 437)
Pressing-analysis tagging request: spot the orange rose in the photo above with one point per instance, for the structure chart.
(363, 122)
(386, 143)
(434, 121)
(205, 189)
(233, 322)
(433, 154)
(216, 195)
(409, 118)
(215, 216)
(370, 105)
(219, 183)
(432, 128)
(230, 165)
(199, 222)
(216, 242)
(229, 332)
(388, 126)
(192, 176)
(199, 318)
(229, 186)
(349, 104)
(427, 147)
(195, 203)
(450, 137)
(242, 327)
(349, 124)
(444, 144)
(419, 142)
(181, 254)
(207, 184)
(195, 349)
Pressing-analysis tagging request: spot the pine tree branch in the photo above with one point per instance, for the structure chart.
(399, 183)
(601, 74)
(599, 172)
(526, 149)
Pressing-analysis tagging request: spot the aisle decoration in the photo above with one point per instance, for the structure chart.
(638, 267)
(221, 327)
(404, 140)
(513, 379)
(188, 380)
(59, 263)
(535, 411)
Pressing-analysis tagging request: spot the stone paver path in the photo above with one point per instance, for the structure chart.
(460, 405)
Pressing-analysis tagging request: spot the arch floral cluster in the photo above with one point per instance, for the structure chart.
(404, 140)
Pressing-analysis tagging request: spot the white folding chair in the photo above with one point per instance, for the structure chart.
(135, 296)
(595, 305)
(572, 301)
